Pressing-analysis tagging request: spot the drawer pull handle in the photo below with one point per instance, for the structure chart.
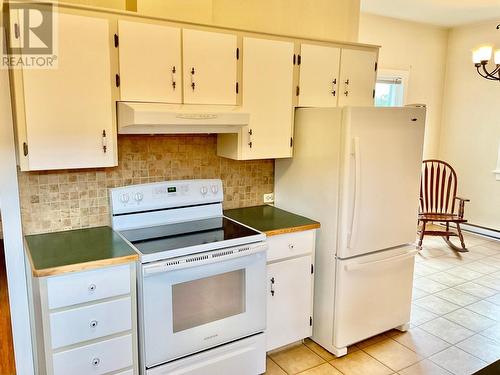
(93, 324)
(290, 246)
(96, 362)
(92, 287)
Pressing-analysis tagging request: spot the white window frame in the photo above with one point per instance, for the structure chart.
(390, 74)
(497, 170)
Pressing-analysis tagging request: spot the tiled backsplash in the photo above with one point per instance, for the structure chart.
(70, 199)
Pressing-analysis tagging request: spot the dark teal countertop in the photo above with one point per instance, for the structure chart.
(271, 220)
(77, 250)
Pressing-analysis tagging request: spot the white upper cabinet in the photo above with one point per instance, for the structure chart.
(357, 77)
(150, 62)
(319, 76)
(209, 67)
(267, 96)
(66, 114)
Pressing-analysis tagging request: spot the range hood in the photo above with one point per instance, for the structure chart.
(162, 118)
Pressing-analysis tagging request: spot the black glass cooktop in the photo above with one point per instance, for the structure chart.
(181, 235)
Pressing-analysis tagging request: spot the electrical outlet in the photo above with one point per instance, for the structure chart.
(269, 198)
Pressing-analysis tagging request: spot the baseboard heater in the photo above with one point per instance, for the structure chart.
(477, 229)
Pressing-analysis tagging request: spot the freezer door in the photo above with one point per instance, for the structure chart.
(382, 156)
(373, 294)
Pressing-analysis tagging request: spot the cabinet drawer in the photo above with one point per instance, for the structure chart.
(290, 245)
(95, 359)
(90, 322)
(88, 286)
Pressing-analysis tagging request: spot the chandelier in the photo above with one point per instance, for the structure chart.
(482, 56)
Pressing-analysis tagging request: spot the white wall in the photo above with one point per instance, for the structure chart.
(420, 49)
(113, 4)
(12, 233)
(470, 134)
(325, 19)
(320, 19)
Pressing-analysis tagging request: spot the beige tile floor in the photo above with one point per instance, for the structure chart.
(454, 327)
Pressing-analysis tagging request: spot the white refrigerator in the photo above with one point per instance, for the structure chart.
(356, 170)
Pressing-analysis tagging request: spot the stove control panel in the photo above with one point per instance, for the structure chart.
(168, 194)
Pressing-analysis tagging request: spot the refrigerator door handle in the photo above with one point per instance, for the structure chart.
(357, 191)
(357, 266)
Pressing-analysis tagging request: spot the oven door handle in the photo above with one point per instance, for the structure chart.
(195, 260)
(153, 269)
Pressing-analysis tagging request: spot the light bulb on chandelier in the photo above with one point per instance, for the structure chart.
(481, 58)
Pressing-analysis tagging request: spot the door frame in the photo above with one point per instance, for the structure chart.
(13, 235)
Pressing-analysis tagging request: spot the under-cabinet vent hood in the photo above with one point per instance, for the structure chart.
(161, 118)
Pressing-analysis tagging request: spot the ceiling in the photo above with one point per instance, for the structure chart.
(446, 13)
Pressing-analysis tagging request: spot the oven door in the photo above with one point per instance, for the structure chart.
(201, 301)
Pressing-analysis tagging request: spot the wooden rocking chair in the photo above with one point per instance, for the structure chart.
(438, 193)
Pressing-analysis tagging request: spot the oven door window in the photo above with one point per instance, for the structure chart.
(208, 299)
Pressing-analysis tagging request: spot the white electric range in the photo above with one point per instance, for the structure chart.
(202, 279)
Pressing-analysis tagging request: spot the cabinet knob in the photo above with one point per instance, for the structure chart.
(96, 362)
(93, 324)
(291, 246)
(92, 287)
(346, 93)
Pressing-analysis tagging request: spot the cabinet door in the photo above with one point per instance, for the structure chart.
(319, 76)
(209, 67)
(289, 301)
(267, 96)
(357, 77)
(69, 109)
(150, 62)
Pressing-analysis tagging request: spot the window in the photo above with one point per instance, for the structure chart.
(390, 90)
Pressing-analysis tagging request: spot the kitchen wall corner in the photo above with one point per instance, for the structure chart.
(71, 199)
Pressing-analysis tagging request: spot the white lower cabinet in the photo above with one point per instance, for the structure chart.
(90, 322)
(80, 287)
(290, 288)
(100, 358)
(86, 322)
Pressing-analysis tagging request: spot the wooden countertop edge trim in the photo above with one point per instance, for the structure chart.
(299, 228)
(84, 266)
